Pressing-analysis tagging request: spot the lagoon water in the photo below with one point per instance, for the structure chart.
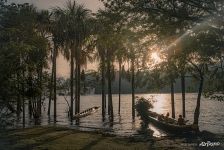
(211, 116)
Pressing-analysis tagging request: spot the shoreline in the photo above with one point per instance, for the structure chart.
(50, 137)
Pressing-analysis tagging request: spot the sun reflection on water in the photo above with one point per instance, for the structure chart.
(156, 131)
(160, 103)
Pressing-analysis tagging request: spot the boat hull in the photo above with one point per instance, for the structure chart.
(172, 127)
(86, 112)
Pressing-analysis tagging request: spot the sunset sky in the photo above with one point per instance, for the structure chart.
(94, 5)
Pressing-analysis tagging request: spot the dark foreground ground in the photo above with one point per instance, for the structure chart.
(58, 138)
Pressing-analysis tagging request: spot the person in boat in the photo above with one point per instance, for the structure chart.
(180, 120)
(167, 117)
(161, 117)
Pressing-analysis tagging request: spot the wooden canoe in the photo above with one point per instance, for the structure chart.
(172, 127)
(86, 112)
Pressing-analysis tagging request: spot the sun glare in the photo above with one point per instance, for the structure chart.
(155, 56)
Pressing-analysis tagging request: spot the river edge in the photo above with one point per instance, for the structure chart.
(63, 138)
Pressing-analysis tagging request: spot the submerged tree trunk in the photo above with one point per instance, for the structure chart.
(183, 94)
(39, 103)
(71, 84)
(18, 109)
(119, 107)
(76, 89)
(133, 88)
(172, 98)
(23, 99)
(197, 109)
(110, 103)
(78, 86)
(55, 86)
(51, 85)
(103, 86)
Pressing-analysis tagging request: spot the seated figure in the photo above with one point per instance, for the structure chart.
(167, 117)
(180, 120)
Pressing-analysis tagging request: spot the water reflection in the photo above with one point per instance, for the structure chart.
(156, 131)
(160, 103)
(210, 119)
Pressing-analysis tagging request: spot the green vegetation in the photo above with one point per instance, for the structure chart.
(142, 107)
(24, 54)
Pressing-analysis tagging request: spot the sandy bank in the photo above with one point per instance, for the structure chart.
(59, 138)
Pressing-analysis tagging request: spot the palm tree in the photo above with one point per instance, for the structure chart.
(172, 96)
(106, 52)
(56, 29)
(101, 52)
(171, 73)
(132, 57)
(120, 56)
(43, 25)
(182, 67)
(136, 47)
(183, 94)
(101, 55)
(48, 30)
(75, 20)
(107, 39)
(131, 47)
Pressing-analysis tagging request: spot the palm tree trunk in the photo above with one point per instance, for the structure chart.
(197, 109)
(172, 98)
(183, 94)
(119, 107)
(103, 86)
(133, 88)
(71, 84)
(76, 81)
(110, 103)
(78, 86)
(55, 90)
(51, 85)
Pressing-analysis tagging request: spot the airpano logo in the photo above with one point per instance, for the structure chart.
(209, 144)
